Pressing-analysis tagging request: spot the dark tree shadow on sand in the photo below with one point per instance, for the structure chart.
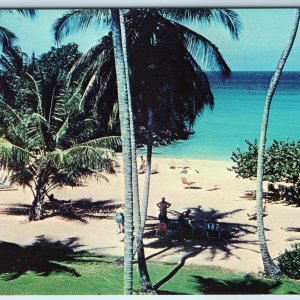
(43, 257)
(232, 238)
(81, 210)
(296, 230)
(247, 285)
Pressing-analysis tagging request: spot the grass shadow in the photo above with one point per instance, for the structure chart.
(247, 285)
(43, 257)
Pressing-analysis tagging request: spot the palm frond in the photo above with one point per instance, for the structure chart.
(58, 158)
(7, 38)
(82, 157)
(21, 176)
(79, 19)
(72, 105)
(226, 17)
(204, 89)
(10, 115)
(204, 51)
(37, 93)
(93, 54)
(60, 134)
(109, 142)
(35, 126)
(10, 155)
(31, 13)
(57, 116)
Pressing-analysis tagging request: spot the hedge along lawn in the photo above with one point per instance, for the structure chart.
(103, 277)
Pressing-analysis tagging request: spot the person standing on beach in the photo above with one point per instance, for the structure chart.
(184, 223)
(120, 219)
(142, 168)
(163, 206)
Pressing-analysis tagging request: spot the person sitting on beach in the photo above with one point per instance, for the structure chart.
(59, 205)
(163, 206)
(142, 167)
(184, 222)
(120, 219)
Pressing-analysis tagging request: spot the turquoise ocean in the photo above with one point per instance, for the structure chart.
(237, 114)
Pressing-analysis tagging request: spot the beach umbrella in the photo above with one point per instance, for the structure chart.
(189, 172)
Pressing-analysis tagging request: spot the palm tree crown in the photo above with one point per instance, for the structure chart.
(166, 61)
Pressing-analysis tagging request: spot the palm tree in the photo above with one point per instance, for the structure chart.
(7, 37)
(270, 268)
(151, 35)
(126, 146)
(144, 277)
(39, 148)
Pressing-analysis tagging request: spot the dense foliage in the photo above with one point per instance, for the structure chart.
(282, 161)
(289, 262)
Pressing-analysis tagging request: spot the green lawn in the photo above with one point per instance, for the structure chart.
(96, 275)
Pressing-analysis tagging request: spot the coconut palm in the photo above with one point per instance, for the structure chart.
(144, 281)
(157, 73)
(120, 65)
(143, 33)
(7, 37)
(39, 147)
(180, 83)
(270, 268)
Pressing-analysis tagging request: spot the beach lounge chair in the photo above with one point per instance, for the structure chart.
(172, 164)
(154, 169)
(185, 181)
(185, 164)
(213, 231)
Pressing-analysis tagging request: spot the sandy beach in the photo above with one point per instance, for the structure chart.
(218, 195)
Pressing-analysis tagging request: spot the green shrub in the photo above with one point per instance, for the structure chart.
(289, 262)
(281, 161)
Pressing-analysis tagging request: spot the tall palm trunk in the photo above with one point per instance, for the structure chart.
(148, 167)
(135, 183)
(144, 282)
(126, 149)
(270, 268)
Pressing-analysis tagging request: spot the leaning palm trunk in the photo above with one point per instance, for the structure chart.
(144, 281)
(270, 268)
(148, 167)
(126, 149)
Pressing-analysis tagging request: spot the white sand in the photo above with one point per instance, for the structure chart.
(219, 192)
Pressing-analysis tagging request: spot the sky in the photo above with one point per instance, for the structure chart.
(263, 37)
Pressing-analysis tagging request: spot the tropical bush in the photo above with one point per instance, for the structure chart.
(289, 262)
(282, 161)
(282, 164)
